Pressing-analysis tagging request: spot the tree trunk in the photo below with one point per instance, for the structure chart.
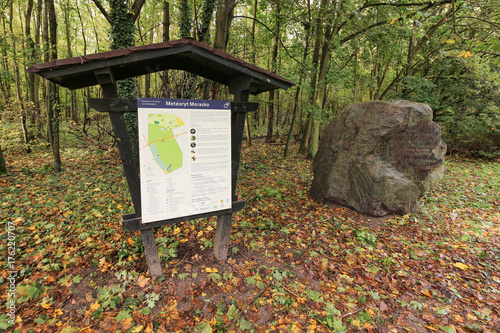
(32, 77)
(254, 61)
(53, 107)
(185, 19)
(73, 108)
(17, 78)
(306, 134)
(165, 38)
(320, 93)
(122, 35)
(307, 28)
(3, 167)
(223, 19)
(206, 20)
(274, 58)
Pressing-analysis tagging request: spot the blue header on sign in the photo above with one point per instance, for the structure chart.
(167, 103)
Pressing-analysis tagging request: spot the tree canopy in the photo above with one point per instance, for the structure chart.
(444, 53)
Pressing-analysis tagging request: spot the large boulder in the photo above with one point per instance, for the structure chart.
(379, 158)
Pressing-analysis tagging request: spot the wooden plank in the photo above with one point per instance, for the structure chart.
(153, 261)
(130, 105)
(133, 223)
(222, 236)
(244, 106)
(113, 104)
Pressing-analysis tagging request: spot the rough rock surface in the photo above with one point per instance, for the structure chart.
(379, 158)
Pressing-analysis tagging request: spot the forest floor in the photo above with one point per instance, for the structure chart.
(294, 265)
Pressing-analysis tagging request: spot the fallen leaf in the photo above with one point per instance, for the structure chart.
(383, 306)
(142, 281)
(94, 306)
(462, 266)
(46, 305)
(126, 324)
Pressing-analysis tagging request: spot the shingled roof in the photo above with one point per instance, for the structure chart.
(183, 54)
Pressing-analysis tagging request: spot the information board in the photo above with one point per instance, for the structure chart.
(185, 157)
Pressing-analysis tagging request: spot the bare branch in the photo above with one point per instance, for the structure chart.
(102, 10)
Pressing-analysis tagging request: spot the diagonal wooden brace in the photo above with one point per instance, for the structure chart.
(107, 82)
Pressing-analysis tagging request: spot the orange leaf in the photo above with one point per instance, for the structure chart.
(143, 281)
(94, 306)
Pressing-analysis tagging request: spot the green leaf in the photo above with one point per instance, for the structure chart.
(232, 312)
(244, 324)
(124, 314)
(4, 322)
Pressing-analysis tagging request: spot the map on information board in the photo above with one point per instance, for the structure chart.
(185, 157)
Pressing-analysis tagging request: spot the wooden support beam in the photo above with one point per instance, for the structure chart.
(130, 105)
(152, 258)
(222, 236)
(240, 88)
(107, 82)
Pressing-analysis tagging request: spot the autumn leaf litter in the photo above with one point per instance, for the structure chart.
(294, 265)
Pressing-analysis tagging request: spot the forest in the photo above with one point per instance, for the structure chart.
(443, 53)
(295, 265)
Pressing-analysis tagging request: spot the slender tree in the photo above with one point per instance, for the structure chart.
(274, 60)
(53, 105)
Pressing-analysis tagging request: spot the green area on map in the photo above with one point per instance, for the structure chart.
(162, 141)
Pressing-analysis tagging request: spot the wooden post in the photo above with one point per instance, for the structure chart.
(107, 82)
(240, 88)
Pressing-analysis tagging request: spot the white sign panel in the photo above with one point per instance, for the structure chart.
(185, 157)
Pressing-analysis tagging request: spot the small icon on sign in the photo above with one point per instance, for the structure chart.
(226, 105)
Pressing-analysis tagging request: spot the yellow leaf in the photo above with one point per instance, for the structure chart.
(46, 305)
(464, 54)
(356, 323)
(130, 241)
(394, 20)
(462, 266)
(301, 300)
(211, 270)
(36, 237)
(19, 219)
(450, 41)
(58, 312)
(94, 306)
(185, 240)
(426, 292)
(177, 230)
(137, 329)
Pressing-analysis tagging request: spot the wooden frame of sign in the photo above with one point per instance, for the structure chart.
(186, 54)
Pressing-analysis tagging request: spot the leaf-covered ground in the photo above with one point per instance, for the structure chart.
(294, 266)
